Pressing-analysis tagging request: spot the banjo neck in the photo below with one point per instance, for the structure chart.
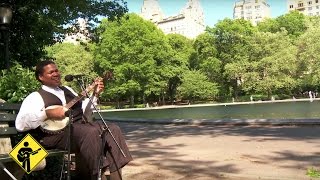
(74, 101)
(80, 96)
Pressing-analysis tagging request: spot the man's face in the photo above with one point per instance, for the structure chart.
(50, 76)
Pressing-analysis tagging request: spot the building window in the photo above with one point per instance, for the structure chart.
(300, 5)
(317, 7)
(257, 7)
(291, 6)
(309, 8)
(310, 2)
(317, 1)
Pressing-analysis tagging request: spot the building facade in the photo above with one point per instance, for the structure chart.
(80, 33)
(151, 10)
(252, 10)
(307, 7)
(189, 22)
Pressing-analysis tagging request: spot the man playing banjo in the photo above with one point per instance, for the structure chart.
(85, 140)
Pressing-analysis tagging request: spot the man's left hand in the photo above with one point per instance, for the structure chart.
(99, 86)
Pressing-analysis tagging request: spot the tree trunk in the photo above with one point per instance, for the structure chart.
(118, 103)
(163, 100)
(144, 99)
(132, 101)
(269, 95)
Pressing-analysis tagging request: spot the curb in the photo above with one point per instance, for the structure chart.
(234, 122)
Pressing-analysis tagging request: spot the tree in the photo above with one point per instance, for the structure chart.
(182, 50)
(16, 83)
(269, 25)
(139, 54)
(293, 22)
(195, 85)
(230, 37)
(312, 21)
(235, 73)
(40, 23)
(309, 58)
(231, 42)
(205, 57)
(72, 59)
(273, 64)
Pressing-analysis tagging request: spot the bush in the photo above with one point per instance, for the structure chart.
(16, 83)
(311, 172)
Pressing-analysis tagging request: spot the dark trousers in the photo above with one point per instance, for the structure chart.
(86, 143)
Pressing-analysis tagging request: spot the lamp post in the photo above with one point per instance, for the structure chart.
(5, 20)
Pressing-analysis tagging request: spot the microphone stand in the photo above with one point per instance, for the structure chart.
(103, 132)
(69, 145)
(7, 171)
(67, 174)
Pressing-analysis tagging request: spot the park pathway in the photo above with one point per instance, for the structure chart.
(178, 152)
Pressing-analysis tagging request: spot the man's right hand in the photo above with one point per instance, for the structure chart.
(56, 112)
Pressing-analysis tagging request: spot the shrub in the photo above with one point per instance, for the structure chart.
(16, 83)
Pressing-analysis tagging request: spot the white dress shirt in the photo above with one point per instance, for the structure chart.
(32, 112)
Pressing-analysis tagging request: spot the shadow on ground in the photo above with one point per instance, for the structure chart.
(145, 136)
(163, 131)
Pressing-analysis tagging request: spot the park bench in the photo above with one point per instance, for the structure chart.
(8, 133)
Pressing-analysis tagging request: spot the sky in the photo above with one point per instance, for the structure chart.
(214, 10)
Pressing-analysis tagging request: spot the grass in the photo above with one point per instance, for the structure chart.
(311, 172)
(106, 107)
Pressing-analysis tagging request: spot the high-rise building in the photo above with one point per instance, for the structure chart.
(252, 10)
(307, 7)
(151, 10)
(80, 32)
(189, 22)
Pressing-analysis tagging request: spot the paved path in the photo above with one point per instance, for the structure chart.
(179, 152)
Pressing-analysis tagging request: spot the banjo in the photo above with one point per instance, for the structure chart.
(55, 126)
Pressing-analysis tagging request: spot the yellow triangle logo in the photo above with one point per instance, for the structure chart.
(28, 153)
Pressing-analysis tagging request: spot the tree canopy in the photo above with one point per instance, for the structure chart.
(138, 53)
(39, 23)
(233, 59)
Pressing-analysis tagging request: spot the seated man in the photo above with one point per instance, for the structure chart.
(85, 137)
